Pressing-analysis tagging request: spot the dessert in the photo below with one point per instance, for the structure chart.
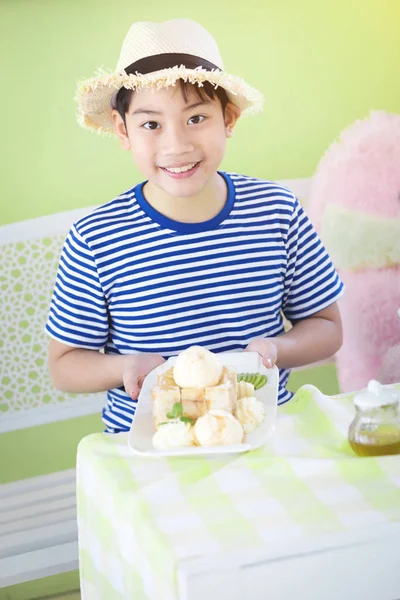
(244, 389)
(164, 399)
(173, 434)
(250, 412)
(197, 367)
(217, 428)
(201, 402)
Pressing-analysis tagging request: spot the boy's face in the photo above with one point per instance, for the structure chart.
(177, 145)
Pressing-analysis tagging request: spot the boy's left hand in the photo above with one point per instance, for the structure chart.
(266, 348)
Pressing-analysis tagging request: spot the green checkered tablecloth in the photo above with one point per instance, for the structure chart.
(139, 517)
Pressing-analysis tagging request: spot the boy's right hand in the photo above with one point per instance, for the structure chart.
(136, 369)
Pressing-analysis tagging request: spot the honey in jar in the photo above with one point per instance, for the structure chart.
(375, 429)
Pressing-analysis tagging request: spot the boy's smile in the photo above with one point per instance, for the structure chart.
(177, 144)
(182, 171)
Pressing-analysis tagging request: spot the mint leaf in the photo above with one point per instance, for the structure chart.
(176, 411)
(187, 420)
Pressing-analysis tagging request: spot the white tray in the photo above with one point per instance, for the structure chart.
(142, 429)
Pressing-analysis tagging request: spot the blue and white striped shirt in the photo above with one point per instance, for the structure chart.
(131, 280)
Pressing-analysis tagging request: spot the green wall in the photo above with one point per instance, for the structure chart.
(320, 64)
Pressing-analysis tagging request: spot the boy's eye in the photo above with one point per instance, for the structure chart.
(151, 125)
(196, 119)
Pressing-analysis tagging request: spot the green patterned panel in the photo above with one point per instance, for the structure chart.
(27, 275)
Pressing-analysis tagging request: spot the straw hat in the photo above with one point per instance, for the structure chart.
(157, 55)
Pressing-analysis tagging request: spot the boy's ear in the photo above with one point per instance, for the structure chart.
(232, 114)
(120, 130)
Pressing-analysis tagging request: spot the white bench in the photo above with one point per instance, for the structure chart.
(38, 529)
(38, 532)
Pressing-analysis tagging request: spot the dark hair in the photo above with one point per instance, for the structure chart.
(123, 98)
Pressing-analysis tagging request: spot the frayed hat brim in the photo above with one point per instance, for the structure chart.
(94, 95)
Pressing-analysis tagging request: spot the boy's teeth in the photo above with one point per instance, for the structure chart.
(181, 169)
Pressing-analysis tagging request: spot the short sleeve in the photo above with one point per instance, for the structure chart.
(311, 281)
(78, 312)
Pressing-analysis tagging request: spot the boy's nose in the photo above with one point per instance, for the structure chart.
(176, 141)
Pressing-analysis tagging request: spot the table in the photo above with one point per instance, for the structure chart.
(302, 517)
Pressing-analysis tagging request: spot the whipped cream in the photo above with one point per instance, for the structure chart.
(174, 434)
(250, 412)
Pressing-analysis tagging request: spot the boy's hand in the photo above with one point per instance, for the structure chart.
(266, 348)
(137, 367)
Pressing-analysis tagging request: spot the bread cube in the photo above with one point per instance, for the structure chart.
(163, 402)
(194, 410)
(166, 379)
(245, 390)
(229, 375)
(221, 396)
(193, 402)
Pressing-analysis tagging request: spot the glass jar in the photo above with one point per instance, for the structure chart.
(375, 429)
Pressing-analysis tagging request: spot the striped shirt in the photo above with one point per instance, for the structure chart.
(131, 280)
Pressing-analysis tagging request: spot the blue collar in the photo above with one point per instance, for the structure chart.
(187, 227)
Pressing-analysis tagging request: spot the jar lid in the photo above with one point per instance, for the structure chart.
(376, 395)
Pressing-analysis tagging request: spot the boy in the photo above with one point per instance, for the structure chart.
(192, 255)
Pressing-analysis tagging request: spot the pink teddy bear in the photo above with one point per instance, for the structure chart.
(355, 206)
